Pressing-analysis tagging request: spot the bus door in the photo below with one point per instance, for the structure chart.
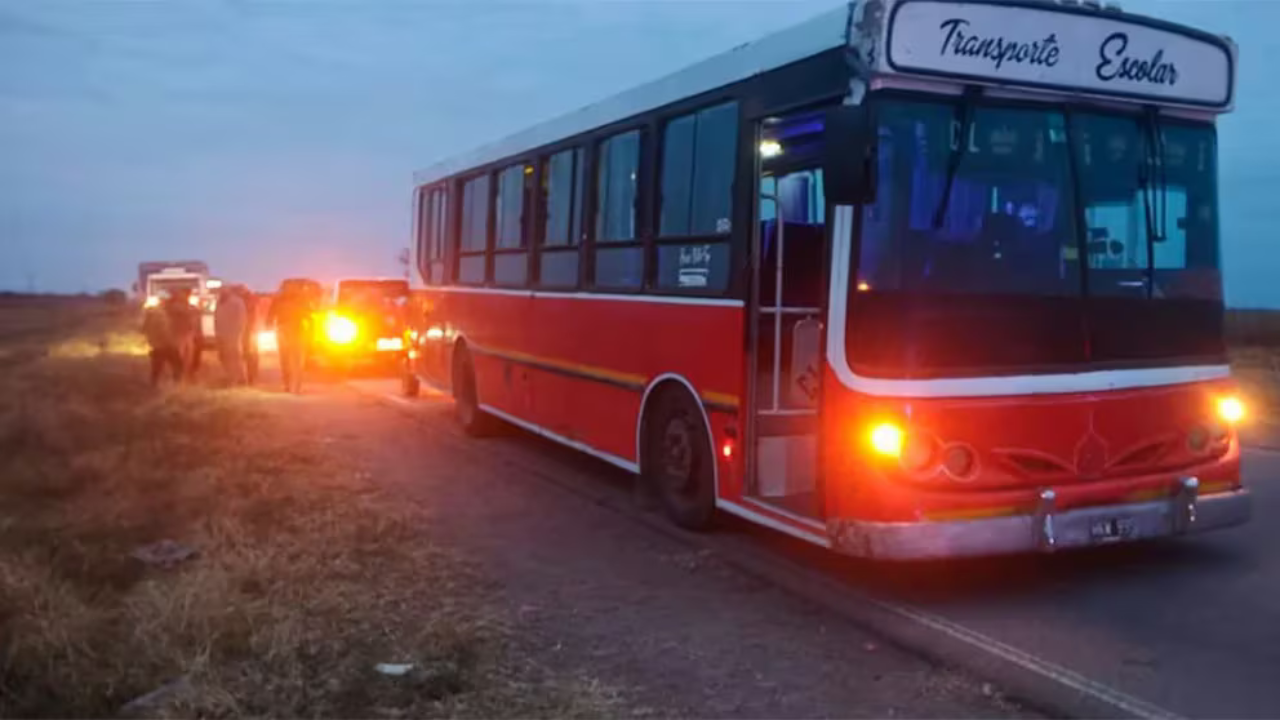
(786, 318)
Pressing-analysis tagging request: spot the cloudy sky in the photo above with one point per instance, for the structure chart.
(278, 137)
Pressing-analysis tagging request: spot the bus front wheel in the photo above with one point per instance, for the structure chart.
(466, 405)
(678, 463)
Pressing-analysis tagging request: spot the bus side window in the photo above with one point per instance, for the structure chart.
(473, 238)
(696, 200)
(617, 184)
(562, 180)
(511, 259)
(435, 254)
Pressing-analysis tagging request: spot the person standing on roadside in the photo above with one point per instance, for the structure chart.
(228, 329)
(249, 339)
(184, 325)
(164, 351)
(290, 315)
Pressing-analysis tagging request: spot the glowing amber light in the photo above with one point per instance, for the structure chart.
(863, 287)
(340, 330)
(1231, 409)
(887, 439)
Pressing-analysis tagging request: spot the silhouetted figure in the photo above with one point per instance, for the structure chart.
(249, 339)
(290, 315)
(164, 351)
(229, 320)
(184, 324)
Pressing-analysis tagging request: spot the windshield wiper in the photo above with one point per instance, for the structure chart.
(965, 111)
(1154, 188)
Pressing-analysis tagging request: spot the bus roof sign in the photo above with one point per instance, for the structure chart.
(1062, 48)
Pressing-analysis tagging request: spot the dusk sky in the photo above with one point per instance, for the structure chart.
(278, 137)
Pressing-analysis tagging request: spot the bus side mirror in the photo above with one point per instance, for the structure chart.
(849, 163)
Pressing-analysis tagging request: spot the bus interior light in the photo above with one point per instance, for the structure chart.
(770, 148)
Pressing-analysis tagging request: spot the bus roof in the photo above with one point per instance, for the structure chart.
(809, 38)
(1067, 47)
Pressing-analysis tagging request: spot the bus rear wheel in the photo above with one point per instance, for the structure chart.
(677, 465)
(466, 405)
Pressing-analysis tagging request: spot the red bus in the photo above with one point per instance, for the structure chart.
(914, 279)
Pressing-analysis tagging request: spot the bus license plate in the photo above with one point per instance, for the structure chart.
(1111, 529)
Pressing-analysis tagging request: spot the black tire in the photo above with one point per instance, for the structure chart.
(466, 404)
(678, 465)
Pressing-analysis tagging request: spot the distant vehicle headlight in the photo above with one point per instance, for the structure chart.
(340, 330)
(267, 341)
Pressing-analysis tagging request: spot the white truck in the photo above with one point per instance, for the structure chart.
(157, 279)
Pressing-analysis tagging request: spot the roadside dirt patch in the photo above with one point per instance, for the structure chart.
(1257, 370)
(286, 575)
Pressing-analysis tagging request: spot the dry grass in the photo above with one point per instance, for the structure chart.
(306, 575)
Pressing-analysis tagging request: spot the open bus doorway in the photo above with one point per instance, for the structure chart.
(787, 311)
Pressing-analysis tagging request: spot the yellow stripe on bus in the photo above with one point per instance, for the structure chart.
(639, 382)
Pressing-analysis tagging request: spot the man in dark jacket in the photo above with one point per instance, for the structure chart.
(184, 326)
(290, 315)
(252, 326)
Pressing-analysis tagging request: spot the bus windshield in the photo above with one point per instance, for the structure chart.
(970, 259)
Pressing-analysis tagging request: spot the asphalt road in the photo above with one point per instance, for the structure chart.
(1190, 626)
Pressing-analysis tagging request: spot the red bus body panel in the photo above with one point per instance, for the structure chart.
(578, 368)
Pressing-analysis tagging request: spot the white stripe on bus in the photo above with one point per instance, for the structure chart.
(614, 297)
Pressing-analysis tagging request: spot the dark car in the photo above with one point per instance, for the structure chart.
(364, 323)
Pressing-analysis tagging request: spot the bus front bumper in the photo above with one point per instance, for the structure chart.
(1046, 530)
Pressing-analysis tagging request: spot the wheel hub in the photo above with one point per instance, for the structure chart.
(677, 454)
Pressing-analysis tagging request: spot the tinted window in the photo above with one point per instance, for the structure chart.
(562, 188)
(511, 268)
(620, 268)
(475, 214)
(616, 183)
(677, 176)
(1127, 196)
(371, 292)
(694, 267)
(426, 229)
(509, 208)
(471, 268)
(697, 172)
(559, 269)
(437, 248)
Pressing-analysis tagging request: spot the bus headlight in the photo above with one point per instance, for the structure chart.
(151, 301)
(340, 330)
(1231, 409)
(887, 439)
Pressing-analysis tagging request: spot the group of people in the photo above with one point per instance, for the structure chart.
(173, 332)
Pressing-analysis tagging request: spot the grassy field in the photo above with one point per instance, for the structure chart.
(303, 575)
